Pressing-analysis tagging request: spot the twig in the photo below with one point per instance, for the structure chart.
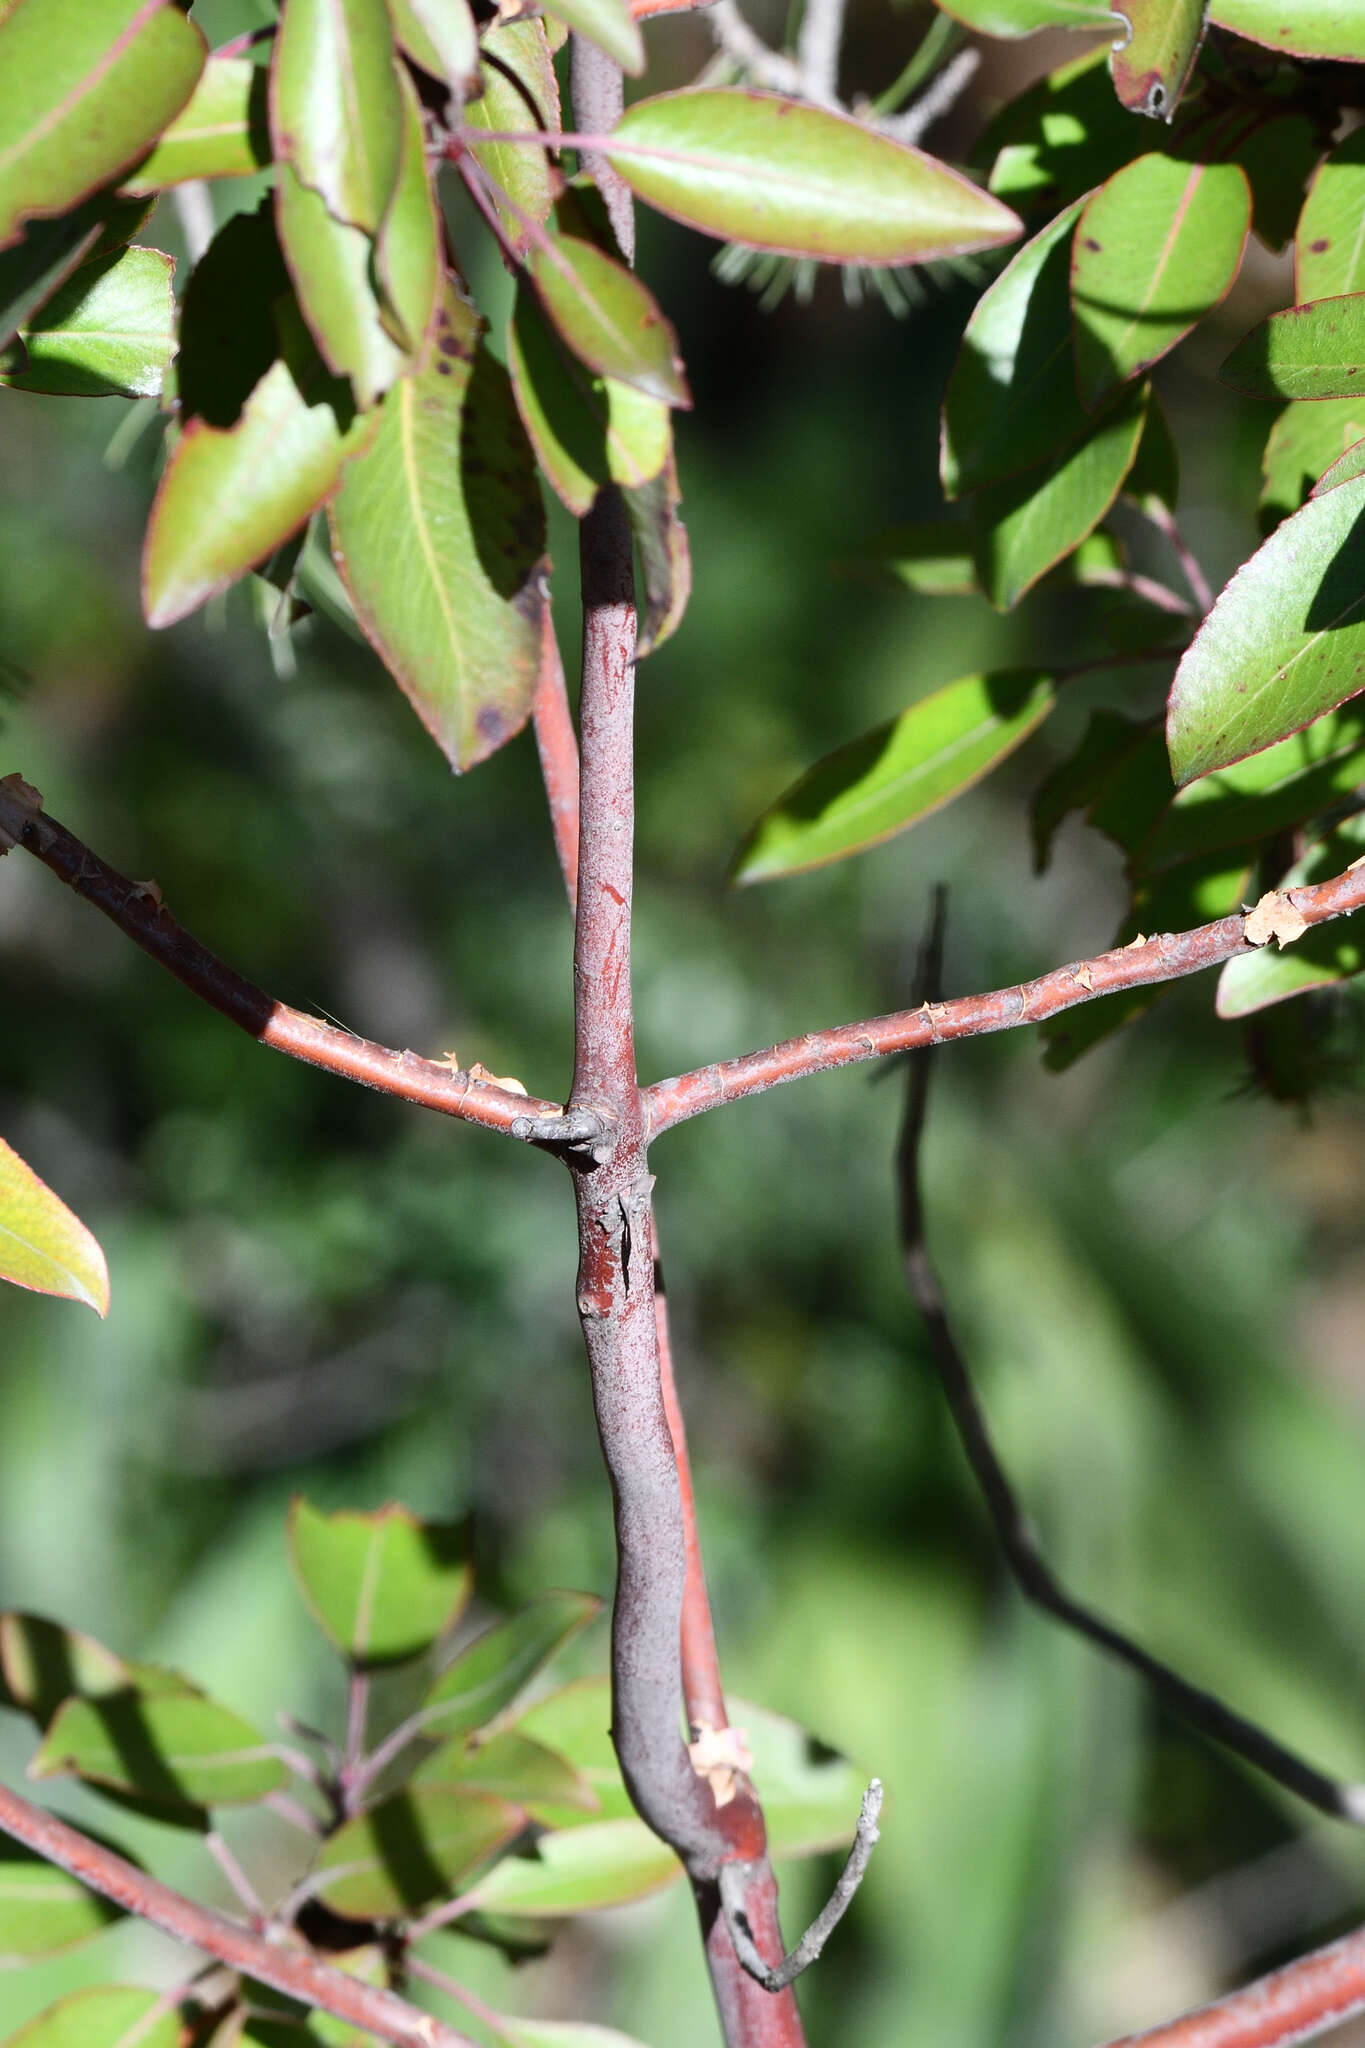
(138, 911)
(1167, 956)
(294, 1812)
(1296, 2003)
(295, 1972)
(557, 745)
(772, 68)
(733, 1888)
(817, 49)
(941, 94)
(1164, 520)
(1030, 1570)
(417, 1966)
(703, 1694)
(236, 1876)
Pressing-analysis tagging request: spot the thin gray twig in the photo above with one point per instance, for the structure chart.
(734, 1883)
(818, 43)
(1030, 1570)
(938, 96)
(738, 41)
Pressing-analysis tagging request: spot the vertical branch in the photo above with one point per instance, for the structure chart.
(557, 745)
(598, 92)
(702, 1692)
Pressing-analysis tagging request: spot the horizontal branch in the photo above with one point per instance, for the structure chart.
(138, 911)
(1305, 1998)
(1167, 956)
(295, 1972)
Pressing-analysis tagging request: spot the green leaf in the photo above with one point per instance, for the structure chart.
(1329, 245)
(665, 556)
(1012, 395)
(609, 24)
(415, 1847)
(1156, 248)
(608, 318)
(336, 115)
(439, 532)
(384, 1585)
(1308, 28)
(1152, 65)
(110, 330)
(1267, 793)
(107, 2016)
(43, 1910)
(1154, 479)
(1306, 440)
(1028, 524)
(174, 1749)
(440, 36)
(1344, 470)
(48, 252)
(485, 1678)
(42, 1664)
(575, 1722)
(223, 131)
(1326, 953)
(1025, 17)
(579, 1870)
(897, 774)
(774, 173)
(1062, 137)
(1284, 643)
(1314, 351)
(42, 1245)
(513, 1766)
(932, 557)
(586, 431)
(520, 92)
(89, 85)
(1109, 739)
(409, 253)
(562, 2034)
(1278, 157)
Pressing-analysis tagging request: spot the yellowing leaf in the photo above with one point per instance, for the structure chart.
(42, 1245)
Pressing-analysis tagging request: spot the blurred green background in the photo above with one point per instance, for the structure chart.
(1156, 1272)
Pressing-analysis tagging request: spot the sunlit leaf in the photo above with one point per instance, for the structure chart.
(487, 1676)
(1012, 395)
(223, 132)
(440, 36)
(439, 533)
(1062, 137)
(176, 1748)
(89, 84)
(107, 2016)
(520, 92)
(1156, 248)
(1306, 440)
(579, 1870)
(521, 2033)
(608, 318)
(408, 258)
(110, 330)
(1284, 643)
(586, 430)
(575, 1722)
(1152, 65)
(774, 173)
(415, 1847)
(1269, 792)
(383, 1585)
(1344, 470)
(665, 555)
(42, 1664)
(1026, 17)
(1326, 953)
(1329, 245)
(515, 1767)
(48, 251)
(1027, 524)
(42, 1245)
(44, 1910)
(1314, 351)
(1308, 28)
(334, 104)
(609, 24)
(890, 778)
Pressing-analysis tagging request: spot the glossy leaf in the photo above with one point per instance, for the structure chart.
(520, 92)
(43, 1910)
(1028, 524)
(1062, 137)
(48, 251)
(1012, 396)
(515, 1767)
(1314, 351)
(1156, 248)
(89, 85)
(1026, 17)
(575, 1722)
(42, 1245)
(107, 2016)
(487, 1676)
(1284, 643)
(1152, 65)
(1269, 792)
(897, 774)
(1306, 440)
(439, 533)
(579, 1870)
(774, 173)
(173, 1748)
(335, 110)
(521, 2033)
(665, 556)
(384, 1585)
(1308, 28)
(609, 24)
(1329, 245)
(409, 255)
(110, 330)
(415, 1847)
(42, 1664)
(1325, 954)
(586, 430)
(608, 318)
(223, 131)
(440, 36)
(1344, 470)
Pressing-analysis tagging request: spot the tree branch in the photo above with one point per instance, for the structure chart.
(733, 1892)
(1167, 956)
(1030, 1570)
(1296, 2003)
(557, 745)
(138, 911)
(295, 1972)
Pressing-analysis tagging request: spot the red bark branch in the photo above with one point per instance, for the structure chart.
(295, 1972)
(1167, 956)
(557, 745)
(138, 911)
(702, 1691)
(1304, 1999)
